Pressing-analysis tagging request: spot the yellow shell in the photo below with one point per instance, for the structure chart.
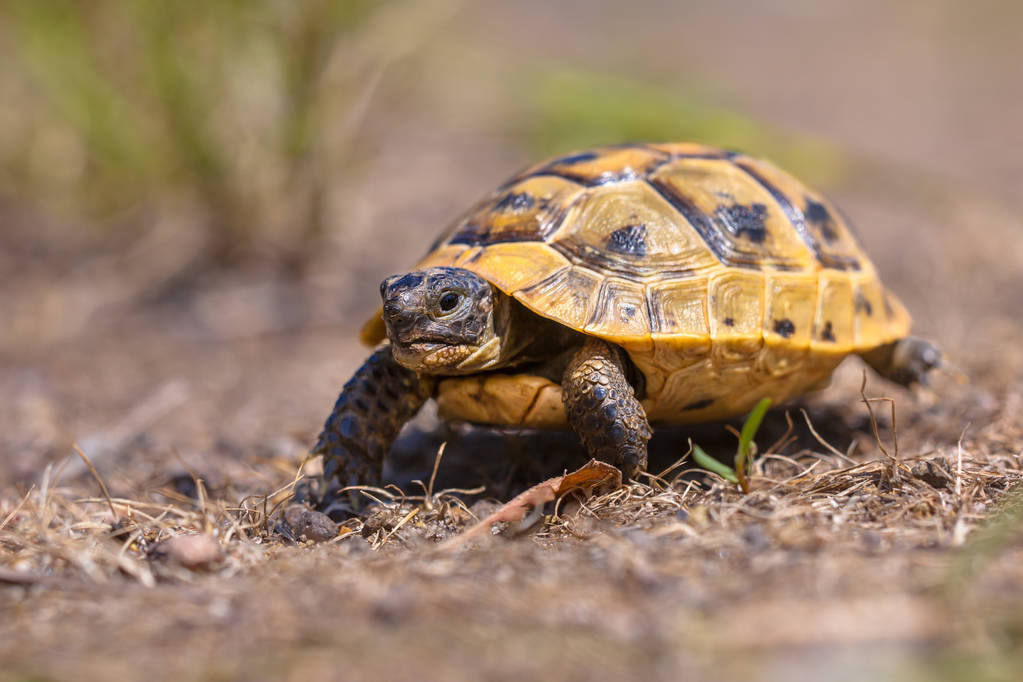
(725, 279)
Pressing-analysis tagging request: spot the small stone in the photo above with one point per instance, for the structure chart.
(309, 524)
(755, 537)
(356, 546)
(872, 540)
(392, 607)
(931, 473)
(799, 536)
(195, 552)
(183, 484)
(699, 516)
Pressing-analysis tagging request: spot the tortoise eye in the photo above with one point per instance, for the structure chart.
(449, 302)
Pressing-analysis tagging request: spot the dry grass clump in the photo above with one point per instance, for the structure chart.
(54, 532)
(825, 550)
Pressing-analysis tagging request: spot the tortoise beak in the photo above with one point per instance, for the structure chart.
(398, 319)
(402, 297)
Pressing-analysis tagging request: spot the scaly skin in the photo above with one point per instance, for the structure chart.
(373, 406)
(907, 361)
(602, 407)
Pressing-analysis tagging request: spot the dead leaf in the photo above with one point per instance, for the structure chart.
(585, 478)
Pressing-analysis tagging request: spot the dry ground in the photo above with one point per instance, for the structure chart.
(853, 557)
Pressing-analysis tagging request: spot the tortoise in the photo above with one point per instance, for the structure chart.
(619, 287)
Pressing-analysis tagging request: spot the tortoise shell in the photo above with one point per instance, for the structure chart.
(725, 279)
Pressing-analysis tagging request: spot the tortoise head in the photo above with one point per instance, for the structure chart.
(444, 320)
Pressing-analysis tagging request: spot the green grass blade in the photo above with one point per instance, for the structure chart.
(711, 464)
(749, 429)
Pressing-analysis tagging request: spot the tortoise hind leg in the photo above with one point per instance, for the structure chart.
(907, 361)
(602, 407)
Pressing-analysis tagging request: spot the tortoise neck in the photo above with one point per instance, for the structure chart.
(528, 337)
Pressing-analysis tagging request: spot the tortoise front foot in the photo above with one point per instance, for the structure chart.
(907, 361)
(602, 407)
(373, 406)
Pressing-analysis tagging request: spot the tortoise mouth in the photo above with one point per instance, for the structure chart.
(431, 356)
(426, 354)
(422, 347)
(426, 343)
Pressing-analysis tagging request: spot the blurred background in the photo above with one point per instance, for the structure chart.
(198, 201)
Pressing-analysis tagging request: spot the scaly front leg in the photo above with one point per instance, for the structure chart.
(602, 407)
(373, 406)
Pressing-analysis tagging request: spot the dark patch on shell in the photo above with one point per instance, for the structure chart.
(629, 240)
(601, 260)
(784, 327)
(888, 309)
(708, 231)
(744, 221)
(715, 230)
(699, 404)
(572, 159)
(729, 321)
(531, 219)
(862, 305)
(515, 201)
(628, 312)
(799, 221)
(818, 214)
(828, 333)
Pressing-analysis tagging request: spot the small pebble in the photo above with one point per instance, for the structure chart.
(872, 540)
(191, 551)
(309, 524)
(183, 484)
(755, 537)
(931, 473)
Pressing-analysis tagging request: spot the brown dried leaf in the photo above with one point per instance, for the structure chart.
(585, 478)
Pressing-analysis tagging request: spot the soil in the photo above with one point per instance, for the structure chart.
(893, 554)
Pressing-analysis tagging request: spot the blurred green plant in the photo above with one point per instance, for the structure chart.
(576, 109)
(241, 111)
(242, 115)
(980, 590)
(744, 453)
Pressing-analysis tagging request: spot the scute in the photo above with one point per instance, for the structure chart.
(740, 220)
(621, 313)
(629, 230)
(528, 210)
(678, 308)
(725, 278)
(811, 216)
(791, 303)
(513, 267)
(566, 295)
